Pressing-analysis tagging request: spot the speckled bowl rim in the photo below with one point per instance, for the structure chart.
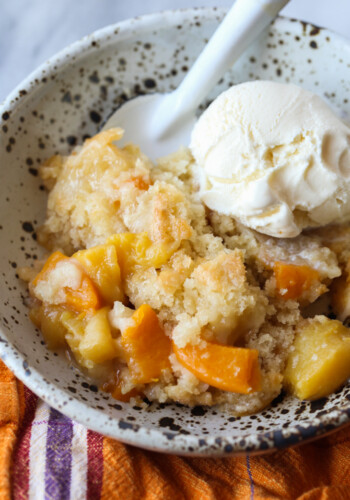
(256, 442)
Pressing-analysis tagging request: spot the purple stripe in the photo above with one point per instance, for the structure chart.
(250, 479)
(58, 456)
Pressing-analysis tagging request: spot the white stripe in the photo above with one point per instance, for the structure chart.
(78, 488)
(37, 452)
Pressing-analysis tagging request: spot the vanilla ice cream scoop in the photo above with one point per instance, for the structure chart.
(275, 157)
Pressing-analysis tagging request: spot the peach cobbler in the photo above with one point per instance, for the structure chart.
(156, 296)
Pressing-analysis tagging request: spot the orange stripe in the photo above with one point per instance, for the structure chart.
(9, 421)
(133, 474)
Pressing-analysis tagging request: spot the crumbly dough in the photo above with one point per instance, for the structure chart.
(218, 284)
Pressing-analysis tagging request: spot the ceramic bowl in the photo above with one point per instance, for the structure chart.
(66, 100)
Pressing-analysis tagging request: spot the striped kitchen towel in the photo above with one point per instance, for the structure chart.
(45, 455)
(55, 457)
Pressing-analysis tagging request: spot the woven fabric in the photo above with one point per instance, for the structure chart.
(45, 455)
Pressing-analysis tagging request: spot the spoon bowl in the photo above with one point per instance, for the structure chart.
(137, 117)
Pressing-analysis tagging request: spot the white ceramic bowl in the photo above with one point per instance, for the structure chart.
(56, 107)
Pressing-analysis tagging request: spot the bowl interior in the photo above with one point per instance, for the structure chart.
(67, 100)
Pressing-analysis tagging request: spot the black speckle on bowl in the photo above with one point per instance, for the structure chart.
(94, 78)
(149, 83)
(72, 140)
(67, 97)
(315, 31)
(27, 227)
(95, 116)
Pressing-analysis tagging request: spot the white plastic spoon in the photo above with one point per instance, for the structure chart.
(161, 123)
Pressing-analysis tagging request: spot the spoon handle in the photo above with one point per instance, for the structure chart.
(244, 21)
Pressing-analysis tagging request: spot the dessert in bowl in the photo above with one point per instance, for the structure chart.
(218, 243)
